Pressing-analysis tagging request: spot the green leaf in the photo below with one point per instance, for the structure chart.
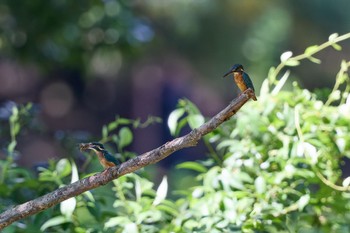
(125, 137)
(286, 55)
(311, 50)
(335, 95)
(161, 191)
(344, 65)
(346, 182)
(130, 228)
(191, 107)
(271, 75)
(292, 62)
(75, 174)
(173, 119)
(333, 36)
(303, 201)
(15, 112)
(11, 147)
(104, 131)
(192, 166)
(54, 222)
(314, 60)
(280, 83)
(195, 120)
(67, 207)
(16, 128)
(63, 167)
(112, 126)
(264, 90)
(121, 221)
(168, 209)
(260, 185)
(123, 121)
(138, 190)
(337, 47)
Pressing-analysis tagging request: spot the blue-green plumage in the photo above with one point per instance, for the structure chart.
(248, 82)
(241, 78)
(110, 157)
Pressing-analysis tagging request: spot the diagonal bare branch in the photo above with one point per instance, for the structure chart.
(191, 139)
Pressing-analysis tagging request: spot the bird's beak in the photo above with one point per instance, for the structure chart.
(85, 146)
(230, 72)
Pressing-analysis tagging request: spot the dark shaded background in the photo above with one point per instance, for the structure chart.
(83, 62)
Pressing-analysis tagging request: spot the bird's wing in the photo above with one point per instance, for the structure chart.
(111, 158)
(248, 81)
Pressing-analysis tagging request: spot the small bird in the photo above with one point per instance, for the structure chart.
(106, 159)
(241, 78)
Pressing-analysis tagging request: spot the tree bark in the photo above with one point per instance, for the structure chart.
(191, 139)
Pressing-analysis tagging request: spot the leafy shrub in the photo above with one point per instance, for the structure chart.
(274, 167)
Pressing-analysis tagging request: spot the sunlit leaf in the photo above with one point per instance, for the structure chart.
(63, 167)
(271, 75)
(337, 47)
(173, 119)
(314, 60)
(292, 62)
(344, 65)
(67, 207)
(55, 221)
(303, 201)
(192, 166)
(335, 95)
(195, 120)
(138, 190)
(117, 221)
(311, 50)
(167, 209)
(280, 83)
(286, 55)
(112, 126)
(11, 147)
(149, 216)
(346, 182)
(125, 137)
(333, 36)
(260, 185)
(161, 191)
(75, 175)
(264, 90)
(130, 228)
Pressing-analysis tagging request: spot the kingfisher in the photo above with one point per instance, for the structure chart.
(241, 78)
(106, 159)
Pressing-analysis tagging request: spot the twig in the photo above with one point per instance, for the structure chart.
(191, 139)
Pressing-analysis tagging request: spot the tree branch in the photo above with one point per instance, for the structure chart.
(191, 139)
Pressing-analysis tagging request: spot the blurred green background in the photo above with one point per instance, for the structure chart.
(82, 63)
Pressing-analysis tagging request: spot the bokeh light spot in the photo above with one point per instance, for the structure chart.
(95, 35)
(106, 63)
(111, 36)
(57, 99)
(112, 8)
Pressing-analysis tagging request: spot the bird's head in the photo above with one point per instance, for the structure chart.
(96, 146)
(235, 68)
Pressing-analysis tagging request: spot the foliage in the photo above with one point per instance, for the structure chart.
(281, 162)
(89, 30)
(274, 167)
